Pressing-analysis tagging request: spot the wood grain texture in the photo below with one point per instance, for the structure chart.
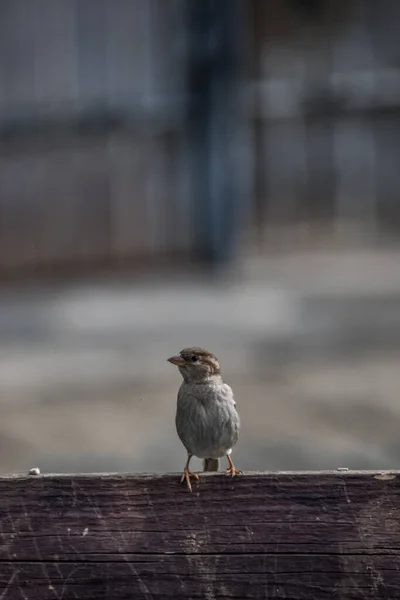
(298, 536)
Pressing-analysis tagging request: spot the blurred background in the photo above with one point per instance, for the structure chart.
(222, 173)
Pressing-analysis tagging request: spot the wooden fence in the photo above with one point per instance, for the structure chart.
(94, 147)
(297, 536)
(326, 115)
(90, 132)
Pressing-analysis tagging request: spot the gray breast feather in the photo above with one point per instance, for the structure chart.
(207, 421)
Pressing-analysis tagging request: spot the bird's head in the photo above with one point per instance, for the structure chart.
(196, 365)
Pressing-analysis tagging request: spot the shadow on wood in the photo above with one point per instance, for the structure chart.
(303, 536)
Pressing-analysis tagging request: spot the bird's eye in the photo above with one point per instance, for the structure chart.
(195, 358)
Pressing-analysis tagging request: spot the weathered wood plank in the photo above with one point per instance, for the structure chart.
(282, 535)
(203, 578)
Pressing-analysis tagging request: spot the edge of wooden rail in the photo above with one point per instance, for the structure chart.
(377, 474)
(303, 535)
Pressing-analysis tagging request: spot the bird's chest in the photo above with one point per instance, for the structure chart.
(206, 421)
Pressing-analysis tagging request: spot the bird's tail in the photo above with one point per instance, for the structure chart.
(211, 464)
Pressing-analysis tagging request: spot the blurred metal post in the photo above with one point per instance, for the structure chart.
(214, 31)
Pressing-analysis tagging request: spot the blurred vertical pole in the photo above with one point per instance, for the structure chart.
(214, 116)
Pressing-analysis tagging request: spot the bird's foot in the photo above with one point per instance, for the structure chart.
(187, 474)
(232, 471)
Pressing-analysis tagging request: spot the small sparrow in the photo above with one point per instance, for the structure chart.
(206, 420)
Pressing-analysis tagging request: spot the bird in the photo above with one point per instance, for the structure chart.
(207, 421)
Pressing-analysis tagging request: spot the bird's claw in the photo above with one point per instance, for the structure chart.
(232, 471)
(186, 477)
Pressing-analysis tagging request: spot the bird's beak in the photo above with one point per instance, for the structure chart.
(176, 360)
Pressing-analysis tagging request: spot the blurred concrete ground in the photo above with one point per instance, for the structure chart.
(310, 342)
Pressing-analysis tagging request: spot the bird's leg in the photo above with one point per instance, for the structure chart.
(187, 474)
(231, 469)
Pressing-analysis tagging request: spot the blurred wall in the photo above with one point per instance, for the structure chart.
(112, 115)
